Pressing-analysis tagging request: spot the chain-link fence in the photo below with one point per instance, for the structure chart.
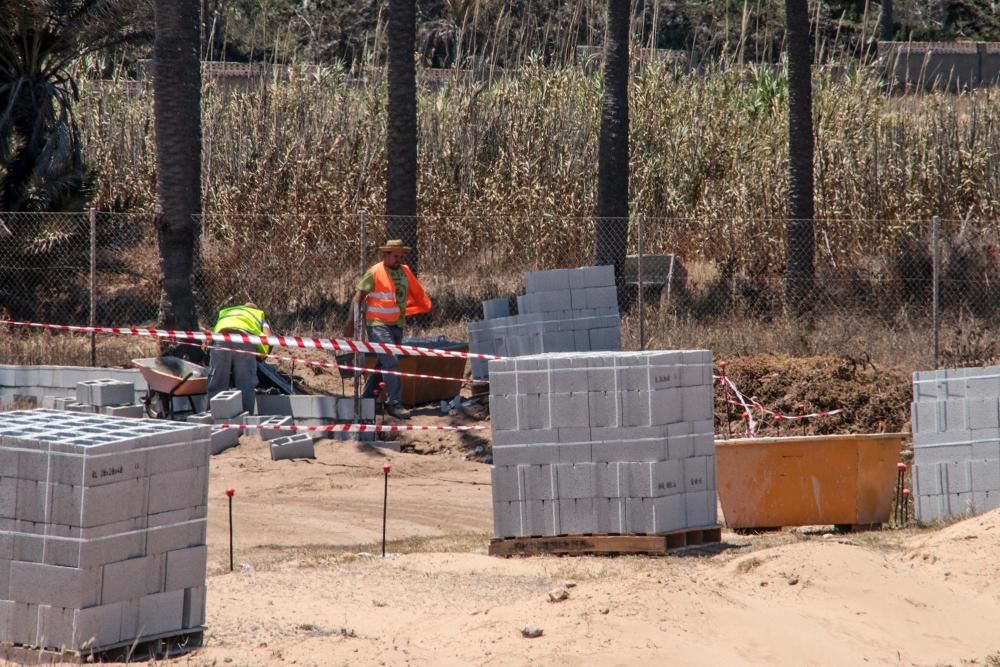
(718, 284)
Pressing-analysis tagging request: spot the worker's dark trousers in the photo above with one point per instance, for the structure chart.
(233, 369)
(393, 386)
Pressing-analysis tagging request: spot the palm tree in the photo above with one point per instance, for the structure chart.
(41, 153)
(177, 116)
(401, 133)
(612, 152)
(799, 271)
(41, 157)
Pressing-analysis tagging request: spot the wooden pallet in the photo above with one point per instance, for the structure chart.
(583, 545)
(164, 645)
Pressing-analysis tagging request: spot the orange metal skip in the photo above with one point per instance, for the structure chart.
(809, 480)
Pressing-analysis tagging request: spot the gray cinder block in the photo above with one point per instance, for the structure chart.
(204, 418)
(226, 405)
(223, 438)
(536, 482)
(162, 612)
(670, 513)
(54, 585)
(132, 578)
(507, 519)
(99, 626)
(494, 308)
(297, 446)
(577, 516)
(504, 480)
(570, 410)
(610, 514)
(193, 615)
(575, 480)
(698, 510)
(185, 568)
(696, 474)
(129, 411)
(105, 392)
(269, 430)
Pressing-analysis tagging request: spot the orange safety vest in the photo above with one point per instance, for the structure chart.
(381, 304)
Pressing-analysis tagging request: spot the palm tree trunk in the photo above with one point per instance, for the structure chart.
(886, 33)
(177, 115)
(612, 152)
(799, 271)
(401, 133)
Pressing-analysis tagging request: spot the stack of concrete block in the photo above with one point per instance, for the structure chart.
(955, 418)
(45, 383)
(602, 443)
(106, 396)
(319, 411)
(563, 310)
(103, 528)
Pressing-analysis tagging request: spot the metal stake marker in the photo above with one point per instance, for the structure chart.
(229, 492)
(725, 398)
(898, 513)
(906, 506)
(385, 502)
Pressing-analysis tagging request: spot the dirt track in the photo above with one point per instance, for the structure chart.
(310, 589)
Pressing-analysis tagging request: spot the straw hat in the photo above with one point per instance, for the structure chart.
(395, 245)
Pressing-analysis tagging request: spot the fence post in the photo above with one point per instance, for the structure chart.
(93, 286)
(359, 326)
(638, 271)
(935, 286)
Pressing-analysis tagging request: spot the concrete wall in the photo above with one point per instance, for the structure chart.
(940, 65)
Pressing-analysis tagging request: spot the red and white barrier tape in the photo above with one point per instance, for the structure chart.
(353, 428)
(333, 344)
(749, 404)
(335, 365)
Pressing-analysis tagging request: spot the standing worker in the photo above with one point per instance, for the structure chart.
(383, 287)
(227, 369)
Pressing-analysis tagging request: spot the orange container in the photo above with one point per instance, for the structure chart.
(808, 480)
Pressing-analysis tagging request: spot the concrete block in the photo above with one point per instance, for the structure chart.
(699, 506)
(525, 454)
(575, 480)
(696, 474)
(193, 615)
(984, 475)
(96, 627)
(610, 514)
(604, 409)
(985, 449)
(178, 490)
(541, 281)
(651, 449)
(569, 380)
(599, 276)
(505, 483)
(204, 418)
(127, 411)
(666, 406)
(639, 515)
(105, 392)
(533, 382)
(669, 513)
(185, 568)
(955, 415)
(929, 455)
(680, 447)
(503, 413)
(578, 452)
(296, 446)
(985, 501)
(540, 517)
(536, 482)
(175, 536)
(224, 438)
(269, 428)
(496, 308)
(87, 507)
(54, 585)
(606, 339)
(608, 481)
(697, 403)
(162, 612)
(635, 408)
(55, 627)
(570, 410)
(507, 519)
(704, 444)
(602, 297)
(667, 478)
(983, 413)
(577, 516)
(133, 578)
(533, 412)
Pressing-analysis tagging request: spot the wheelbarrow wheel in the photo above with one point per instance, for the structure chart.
(154, 405)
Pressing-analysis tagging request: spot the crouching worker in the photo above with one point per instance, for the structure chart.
(238, 370)
(381, 290)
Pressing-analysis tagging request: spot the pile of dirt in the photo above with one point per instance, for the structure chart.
(874, 400)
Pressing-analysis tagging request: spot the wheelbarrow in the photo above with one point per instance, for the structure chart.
(168, 377)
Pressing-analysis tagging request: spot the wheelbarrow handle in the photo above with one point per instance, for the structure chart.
(181, 383)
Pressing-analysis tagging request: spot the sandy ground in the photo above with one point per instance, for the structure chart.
(310, 588)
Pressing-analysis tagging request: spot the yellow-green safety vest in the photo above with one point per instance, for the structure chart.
(242, 318)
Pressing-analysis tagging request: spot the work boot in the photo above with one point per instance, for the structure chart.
(398, 411)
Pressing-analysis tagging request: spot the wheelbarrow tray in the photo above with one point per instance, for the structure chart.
(166, 375)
